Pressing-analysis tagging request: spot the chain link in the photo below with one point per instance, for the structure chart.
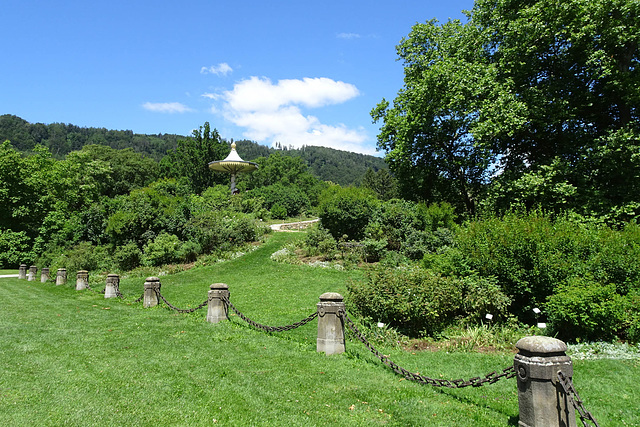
(180, 310)
(423, 379)
(575, 400)
(270, 328)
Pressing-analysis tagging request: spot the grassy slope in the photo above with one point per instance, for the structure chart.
(74, 358)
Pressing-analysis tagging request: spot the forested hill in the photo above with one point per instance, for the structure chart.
(341, 167)
(327, 164)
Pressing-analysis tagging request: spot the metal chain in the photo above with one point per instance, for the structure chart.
(459, 383)
(575, 400)
(139, 299)
(270, 328)
(180, 310)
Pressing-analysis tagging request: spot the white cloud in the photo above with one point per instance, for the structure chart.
(348, 36)
(273, 112)
(166, 107)
(221, 69)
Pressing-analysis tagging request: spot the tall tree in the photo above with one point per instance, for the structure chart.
(430, 133)
(520, 86)
(190, 160)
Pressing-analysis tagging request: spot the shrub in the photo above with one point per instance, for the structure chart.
(374, 249)
(583, 309)
(346, 211)
(290, 197)
(632, 317)
(415, 301)
(128, 256)
(278, 211)
(318, 241)
(164, 249)
(14, 248)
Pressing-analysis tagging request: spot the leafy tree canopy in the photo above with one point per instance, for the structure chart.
(520, 86)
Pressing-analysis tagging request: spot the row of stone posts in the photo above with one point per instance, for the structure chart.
(541, 397)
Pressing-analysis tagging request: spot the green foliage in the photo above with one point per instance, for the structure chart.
(278, 211)
(382, 183)
(293, 201)
(164, 249)
(62, 139)
(14, 248)
(191, 158)
(346, 211)
(553, 106)
(584, 309)
(531, 254)
(318, 241)
(420, 302)
(631, 324)
(128, 256)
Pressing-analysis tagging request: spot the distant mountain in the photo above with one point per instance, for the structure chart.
(340, 167)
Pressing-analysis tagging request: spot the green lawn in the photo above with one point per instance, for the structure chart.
(73, 358)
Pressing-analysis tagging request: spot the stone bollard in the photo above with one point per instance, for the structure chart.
(216, 308)
(22, 273)
(330, 324)
(44, 275)
(33, 270)
(541, 398)
(61, 276)
(113, 283)
(151, 289)
(82, 280)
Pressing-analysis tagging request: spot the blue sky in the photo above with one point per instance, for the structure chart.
(294, 72)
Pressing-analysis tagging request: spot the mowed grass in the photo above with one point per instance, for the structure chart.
(73, 358)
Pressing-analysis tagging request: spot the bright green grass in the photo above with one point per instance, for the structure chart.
(73, 358)
(3, 272)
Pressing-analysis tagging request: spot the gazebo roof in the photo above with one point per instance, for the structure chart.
(233, 163)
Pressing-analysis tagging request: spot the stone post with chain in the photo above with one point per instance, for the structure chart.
(44, 275)
(151, 289)
(330, 324)
(82, 280)
(33, 270)
(110, 290)
(22, 272)
(541, 398)
(61, 276)
(216, 307)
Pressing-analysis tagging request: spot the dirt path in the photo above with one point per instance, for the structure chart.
(293, 227)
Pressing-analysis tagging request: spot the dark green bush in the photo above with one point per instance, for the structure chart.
(278, 211)
(14, 249)
(531, 254)
(318, 241)
(164, 249)
(290, 197)
(415, 301)
(584, 309)
(421, 302)
(128, 256)
(631, 326)
(346, 211)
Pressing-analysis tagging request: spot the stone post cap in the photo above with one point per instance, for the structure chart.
(83, 272)
(23, 265)
(45, 268)
(540, 345)
(62, 269)
(219, 286)
(152, 279)
(33, 266)
(113, 275)
(331, 297)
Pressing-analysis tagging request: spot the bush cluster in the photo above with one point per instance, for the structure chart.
(420, 302)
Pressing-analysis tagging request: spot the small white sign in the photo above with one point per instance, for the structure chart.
(536, 310)
(542, 325)
(489, 316)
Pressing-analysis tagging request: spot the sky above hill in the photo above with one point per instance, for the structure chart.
(294, 72)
